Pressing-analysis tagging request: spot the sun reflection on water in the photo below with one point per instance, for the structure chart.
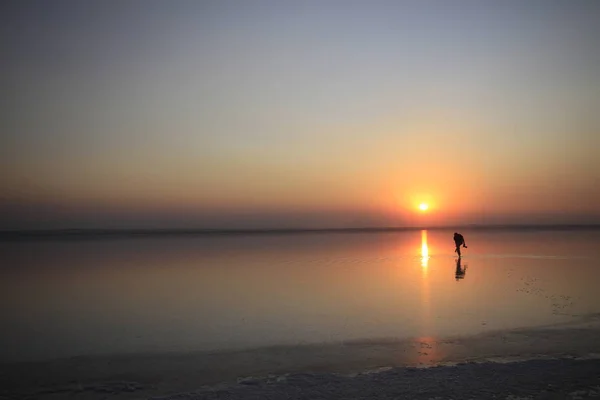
(425, 294)
(424, 249)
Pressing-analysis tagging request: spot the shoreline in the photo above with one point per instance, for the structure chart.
(136, 376)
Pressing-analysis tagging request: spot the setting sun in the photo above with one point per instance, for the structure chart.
(423, 207)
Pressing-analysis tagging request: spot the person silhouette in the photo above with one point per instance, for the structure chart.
(458, 241)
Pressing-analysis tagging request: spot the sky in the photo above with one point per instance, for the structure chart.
(298, 114)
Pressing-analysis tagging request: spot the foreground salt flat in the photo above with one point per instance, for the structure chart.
(534, 379)
(294, 372)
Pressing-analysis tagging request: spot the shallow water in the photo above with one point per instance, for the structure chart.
(80, 297)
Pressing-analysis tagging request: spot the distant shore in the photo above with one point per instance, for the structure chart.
(8, 235)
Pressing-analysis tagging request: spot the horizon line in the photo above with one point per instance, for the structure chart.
(156, 232)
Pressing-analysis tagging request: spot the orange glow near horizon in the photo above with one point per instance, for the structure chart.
(423, 203)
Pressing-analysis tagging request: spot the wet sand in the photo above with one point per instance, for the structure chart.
(546, 362)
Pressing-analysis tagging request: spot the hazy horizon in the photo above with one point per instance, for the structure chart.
(283, 114)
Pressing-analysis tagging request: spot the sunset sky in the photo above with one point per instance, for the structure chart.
(252, 114)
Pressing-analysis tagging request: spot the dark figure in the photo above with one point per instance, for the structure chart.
(460, 272)
(458, 241)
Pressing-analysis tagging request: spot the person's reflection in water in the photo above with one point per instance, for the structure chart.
(460, 271)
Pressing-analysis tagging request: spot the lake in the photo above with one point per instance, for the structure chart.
(69, 297)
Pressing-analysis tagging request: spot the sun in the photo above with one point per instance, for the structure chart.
(423, 206)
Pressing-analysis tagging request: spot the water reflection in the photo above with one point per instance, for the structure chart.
(428, 350)
(425, 290)
(207, 293)
(460, 270)
(424, 249)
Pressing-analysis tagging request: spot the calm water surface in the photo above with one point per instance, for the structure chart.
(83, 297)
